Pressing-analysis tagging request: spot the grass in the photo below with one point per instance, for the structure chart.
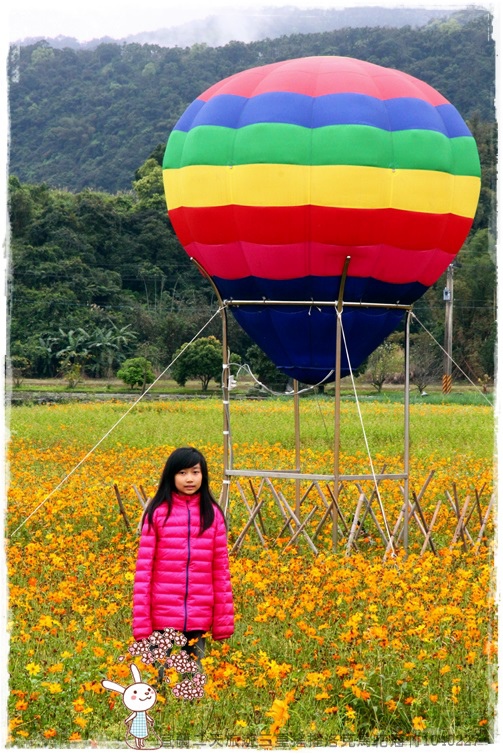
(174, 423)
(327, 650)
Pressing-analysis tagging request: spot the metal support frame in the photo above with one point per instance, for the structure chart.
(335, 479)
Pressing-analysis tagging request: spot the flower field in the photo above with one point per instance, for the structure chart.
(328, 649)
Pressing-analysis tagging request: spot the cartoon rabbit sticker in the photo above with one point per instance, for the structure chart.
(138, 697)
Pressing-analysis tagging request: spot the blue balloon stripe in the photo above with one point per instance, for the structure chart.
(357, 289)
(398, 114)
(301, 342)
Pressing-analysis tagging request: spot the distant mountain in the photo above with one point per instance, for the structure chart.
(255, 24)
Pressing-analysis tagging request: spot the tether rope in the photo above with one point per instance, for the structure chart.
(133, 405)
(451, 359)
(390, 539)
(247, 368)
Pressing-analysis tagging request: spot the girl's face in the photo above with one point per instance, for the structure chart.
(188, 481)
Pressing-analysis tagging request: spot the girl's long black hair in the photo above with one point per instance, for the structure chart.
(183, 458)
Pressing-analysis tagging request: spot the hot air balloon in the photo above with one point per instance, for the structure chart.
(276, 175)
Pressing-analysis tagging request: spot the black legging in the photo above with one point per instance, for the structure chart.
(194, 650)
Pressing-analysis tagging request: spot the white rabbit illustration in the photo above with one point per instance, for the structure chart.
(138, 697)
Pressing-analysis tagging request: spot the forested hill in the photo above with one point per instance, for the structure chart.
(89, 118)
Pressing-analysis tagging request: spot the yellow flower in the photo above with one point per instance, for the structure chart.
(54, 688)
(279, 713)
(32, 668)
(80, 721)
(46, 621)
(418, 723)
(241, 723)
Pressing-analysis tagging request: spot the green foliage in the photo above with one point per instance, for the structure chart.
(386, 360)
(200, 360)
(136, 371)
(113, 104)
(19, 366)
(110, 264)
(72, 373)
(425, 361)
(265, 370)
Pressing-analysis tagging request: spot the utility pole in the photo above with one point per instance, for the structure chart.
(448, 298)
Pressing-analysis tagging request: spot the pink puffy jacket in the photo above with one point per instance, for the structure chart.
(182, 580)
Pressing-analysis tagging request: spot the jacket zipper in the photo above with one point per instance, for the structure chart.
(187, 571)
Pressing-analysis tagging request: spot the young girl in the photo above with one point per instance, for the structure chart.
(182, 578)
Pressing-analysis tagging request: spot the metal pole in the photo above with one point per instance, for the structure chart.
(296, 406)
(227, 443)
(227, 456)
(406, 442)
(337, 398)
(448, 298)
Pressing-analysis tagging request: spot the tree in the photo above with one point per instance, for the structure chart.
(137, 371)
(384, 362)
(19, 365)
(200, 360)
(425, 361)
(75, 352)
(264, 369)
(107, 345)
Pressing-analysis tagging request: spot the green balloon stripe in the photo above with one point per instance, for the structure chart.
(331, 145)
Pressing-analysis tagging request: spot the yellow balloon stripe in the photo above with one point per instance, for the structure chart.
(347, 186)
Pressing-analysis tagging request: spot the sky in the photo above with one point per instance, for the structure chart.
(93, 19)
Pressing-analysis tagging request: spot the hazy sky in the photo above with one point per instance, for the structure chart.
(92, 19)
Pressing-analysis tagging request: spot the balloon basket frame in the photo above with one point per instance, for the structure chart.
(291, 513)
(347, 530)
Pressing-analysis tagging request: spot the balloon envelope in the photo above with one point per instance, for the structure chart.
(275, 175)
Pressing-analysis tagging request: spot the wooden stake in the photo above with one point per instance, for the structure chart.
(460, 525)
(121, 508)
(286, 518)
(484, 523)
(354, 524)
(239, 540)
(430, 530)
(141, 496)
(477, 498)
(245, 501)
(256, 497)
(298, 524)
(369, 509)
(300, 530)
(426, 533)
(395, 530)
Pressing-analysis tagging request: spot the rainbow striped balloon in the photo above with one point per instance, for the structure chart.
(275, 175)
